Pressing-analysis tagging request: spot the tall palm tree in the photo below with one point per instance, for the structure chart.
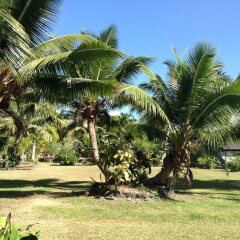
(201, 105)
(24, 53)
(101, 82)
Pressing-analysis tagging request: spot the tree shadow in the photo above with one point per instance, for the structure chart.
(50, 186)
(223, 189)
(213, 184)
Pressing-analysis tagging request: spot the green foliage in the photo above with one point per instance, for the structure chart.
(207, 161)
(36, 17)
(52, 148)
(67, 157)
(146, 153)
(11, 231)
(234, 164)
(119, 167)
(9, 161)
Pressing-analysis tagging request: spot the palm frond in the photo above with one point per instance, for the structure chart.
(228, 96)
(8, 125)
(60, 44)
(92, 53)
(220, 129)
(140, 99)
(37, 17)
(109, 36)
(132, 66)
(66, 90)
(14, 42)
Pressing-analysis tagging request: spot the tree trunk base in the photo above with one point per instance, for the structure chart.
(165, 192)
(161, 179)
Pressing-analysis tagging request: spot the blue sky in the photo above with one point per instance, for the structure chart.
(151, 27)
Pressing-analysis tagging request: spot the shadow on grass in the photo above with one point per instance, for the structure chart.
(50, 187)
(53, 187)
(222, 188)
(213, 184)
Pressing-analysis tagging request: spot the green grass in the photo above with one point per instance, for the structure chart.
(52, 196)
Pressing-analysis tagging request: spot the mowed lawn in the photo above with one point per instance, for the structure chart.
(52, 197)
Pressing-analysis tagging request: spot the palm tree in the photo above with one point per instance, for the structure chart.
(25, 54)
(201, 105)
(94, 87)
(23, 24)
(28, 122)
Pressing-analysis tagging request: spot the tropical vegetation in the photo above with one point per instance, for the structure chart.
(57, 95)
(60, 136)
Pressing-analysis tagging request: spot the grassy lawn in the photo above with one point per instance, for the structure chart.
(52, 197)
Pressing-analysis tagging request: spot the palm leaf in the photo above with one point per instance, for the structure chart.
(37, 17)
(66, 90)
(14, 42)
(140, 99)
(228, 96)
(109, 36)
(132, 66)
(89, 52)
(60, 44)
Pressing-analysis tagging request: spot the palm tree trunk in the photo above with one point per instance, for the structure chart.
(33, 151)
(161, 178)
(23, 156)
(94, 146)
(93, 140)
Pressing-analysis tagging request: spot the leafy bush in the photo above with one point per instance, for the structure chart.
(9, 162)
(11, 231)
(207, 161)
(66, 157)
(52, 148)
(140, 167)
(120, 166)
(234, 165)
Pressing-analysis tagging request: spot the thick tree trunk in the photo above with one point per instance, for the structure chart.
(172, 163)
(33, 151)
(161, 178)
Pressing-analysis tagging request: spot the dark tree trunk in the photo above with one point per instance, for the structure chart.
(161, 178)
(172, 163)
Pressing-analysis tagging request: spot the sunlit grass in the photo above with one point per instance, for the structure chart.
(52, 197)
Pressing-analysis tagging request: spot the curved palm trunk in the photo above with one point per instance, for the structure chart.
(93, 140)
(161, 178)
(94, 147)
(171, 163)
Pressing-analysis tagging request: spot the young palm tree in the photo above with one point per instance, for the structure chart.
(201, 106)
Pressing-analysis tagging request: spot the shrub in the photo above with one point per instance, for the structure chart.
(66, 157)
(10, 161)
(207, 161)
(234, 165)
(120, 166)
(11, 231)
